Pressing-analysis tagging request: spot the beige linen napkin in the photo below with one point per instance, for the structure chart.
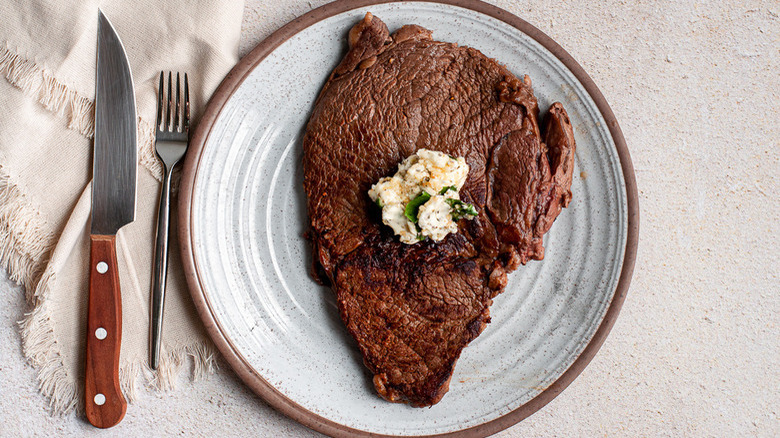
(47, 64)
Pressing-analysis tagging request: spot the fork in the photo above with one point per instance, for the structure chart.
(171, 142)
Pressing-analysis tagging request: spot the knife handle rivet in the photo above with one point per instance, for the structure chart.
(101, 333)
(102, 267)
(100, 399)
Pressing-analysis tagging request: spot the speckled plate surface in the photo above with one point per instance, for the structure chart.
(243, 216)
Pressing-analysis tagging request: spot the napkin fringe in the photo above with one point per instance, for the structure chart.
(40, 347)
(78, 110)
(147, 157)
(52, 94)
(203, 360)
(25, 240)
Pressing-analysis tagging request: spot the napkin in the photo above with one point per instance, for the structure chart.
(47, 70)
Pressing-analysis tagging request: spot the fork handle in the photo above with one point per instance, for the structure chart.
(160, 269)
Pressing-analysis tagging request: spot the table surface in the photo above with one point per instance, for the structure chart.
(696, 348)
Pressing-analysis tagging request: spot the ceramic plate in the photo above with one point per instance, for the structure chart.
(243, 215)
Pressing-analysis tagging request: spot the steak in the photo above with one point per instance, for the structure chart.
(413, 308)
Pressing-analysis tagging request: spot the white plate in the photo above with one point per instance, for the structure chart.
(244, 215)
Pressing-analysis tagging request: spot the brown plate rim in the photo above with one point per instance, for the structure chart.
(189, 175)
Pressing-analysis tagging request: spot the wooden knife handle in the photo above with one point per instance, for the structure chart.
(105, 405)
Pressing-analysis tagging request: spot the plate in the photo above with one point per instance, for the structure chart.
(243, 216)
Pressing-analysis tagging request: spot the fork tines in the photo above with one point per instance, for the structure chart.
(175, 113)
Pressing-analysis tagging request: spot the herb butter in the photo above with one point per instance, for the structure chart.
(422, 199)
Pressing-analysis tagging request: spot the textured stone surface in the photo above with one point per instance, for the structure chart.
(696, 348)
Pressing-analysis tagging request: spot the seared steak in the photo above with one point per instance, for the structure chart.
(413, 308)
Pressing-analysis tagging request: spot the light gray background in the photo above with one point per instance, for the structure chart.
(696, 349)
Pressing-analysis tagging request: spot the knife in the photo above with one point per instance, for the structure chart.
(113, 206)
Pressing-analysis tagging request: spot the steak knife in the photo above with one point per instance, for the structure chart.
(113, 206)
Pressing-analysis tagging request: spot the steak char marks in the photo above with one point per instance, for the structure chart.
(413, 308)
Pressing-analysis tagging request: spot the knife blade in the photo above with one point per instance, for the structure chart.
(113, 206)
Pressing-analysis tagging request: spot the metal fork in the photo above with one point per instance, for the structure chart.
(171, 143)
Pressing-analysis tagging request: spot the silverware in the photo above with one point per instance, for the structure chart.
(171, 144)
(113, 206)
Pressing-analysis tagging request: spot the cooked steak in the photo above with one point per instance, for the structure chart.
(413, 308)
